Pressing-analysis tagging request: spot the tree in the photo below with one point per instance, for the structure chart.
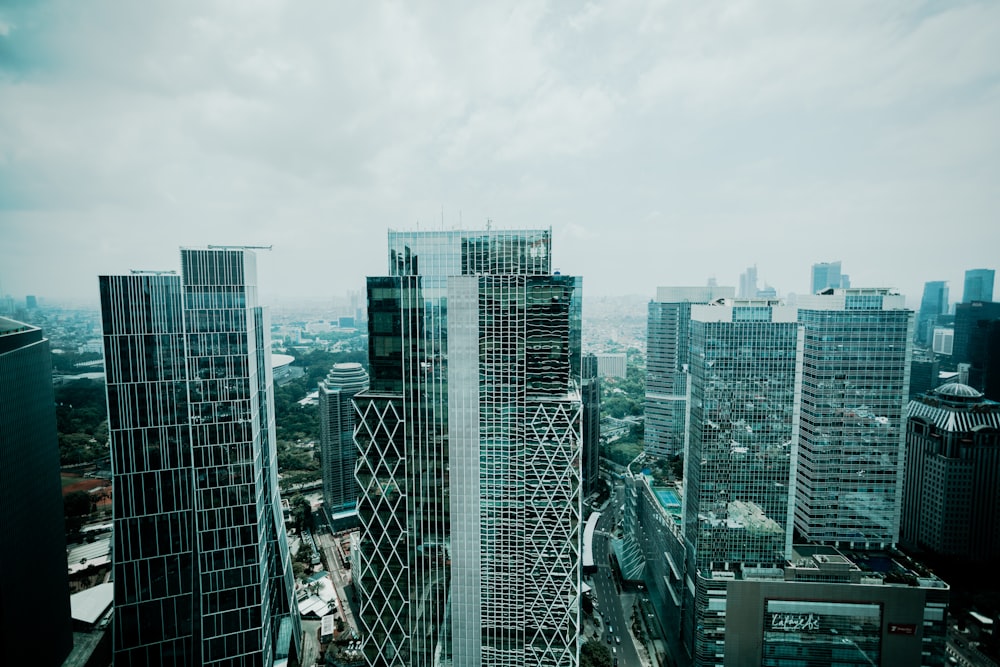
(595, 654)
(301, 512)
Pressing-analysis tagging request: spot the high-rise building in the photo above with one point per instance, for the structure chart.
(666, 363)
(590, 394)
(952, 474)
(35, 624)
(933, 303)
(469, 454)
(826, 275)
(201, 565)
(856, 374)
(977, 343)
(745, 366)
(748, 283)
(336, 429)
(978, 285)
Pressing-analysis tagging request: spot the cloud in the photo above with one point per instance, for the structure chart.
(660, 140)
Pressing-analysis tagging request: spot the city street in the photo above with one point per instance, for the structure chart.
(606, 589)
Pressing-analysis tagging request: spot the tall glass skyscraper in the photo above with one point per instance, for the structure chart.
(666, 364)
(856, 373)
(934, 302)
(978, 285)
(201, 565)
(35, 623)
(745, 365)
(336, 429)
(469, 453)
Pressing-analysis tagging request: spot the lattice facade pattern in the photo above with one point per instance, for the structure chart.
(416, 485)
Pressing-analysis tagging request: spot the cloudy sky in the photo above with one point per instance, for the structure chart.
(664, 142)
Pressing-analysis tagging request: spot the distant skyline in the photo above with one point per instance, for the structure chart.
(664, 144)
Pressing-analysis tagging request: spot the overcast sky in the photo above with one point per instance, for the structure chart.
(664, 142)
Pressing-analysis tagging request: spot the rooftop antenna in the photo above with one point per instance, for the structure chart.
(489, 224)
(442, 216)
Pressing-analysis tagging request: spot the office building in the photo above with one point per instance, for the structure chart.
(952, 474)
(943, 342)
(34, 590)
(667, 328)
(336, 429)
(820, 606)
(612, 364)
(856, 366)
(826, 275)
(978, 285)
(923, 373)
(933, 303)
(201, 566)
(469, 454)
(748, 283)
(590, 394)
(977, 343)
(745, 365)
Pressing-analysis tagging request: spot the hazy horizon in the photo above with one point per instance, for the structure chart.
(664, 144)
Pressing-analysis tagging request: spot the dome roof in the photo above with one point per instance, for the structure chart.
(958, 390)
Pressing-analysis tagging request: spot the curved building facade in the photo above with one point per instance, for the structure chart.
(336, 426)
(952, 473)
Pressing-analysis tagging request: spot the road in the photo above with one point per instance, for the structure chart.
(606, 588)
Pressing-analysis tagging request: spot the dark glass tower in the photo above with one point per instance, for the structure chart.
(35, 625)
(591, 395)
(202, 571)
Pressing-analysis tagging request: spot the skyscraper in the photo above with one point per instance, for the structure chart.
(978, 285)
(201, 567)
(856, 373)
(826, 275)
(934, 302)
(745, 365)
(666, 363)
(952, 474)
(35, 624)
(590, 392)
(469, 453)
(748, 283)
(336, 428)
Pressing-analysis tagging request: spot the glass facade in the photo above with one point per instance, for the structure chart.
(667, 348)
(743, 434)
(800, 633)
(202, 570)
(336, 428)
(856, 365)
(35, 623)
(469, 453)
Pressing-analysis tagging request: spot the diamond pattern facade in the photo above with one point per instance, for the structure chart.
(469, 454)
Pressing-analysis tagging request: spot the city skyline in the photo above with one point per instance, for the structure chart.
(721, 138)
